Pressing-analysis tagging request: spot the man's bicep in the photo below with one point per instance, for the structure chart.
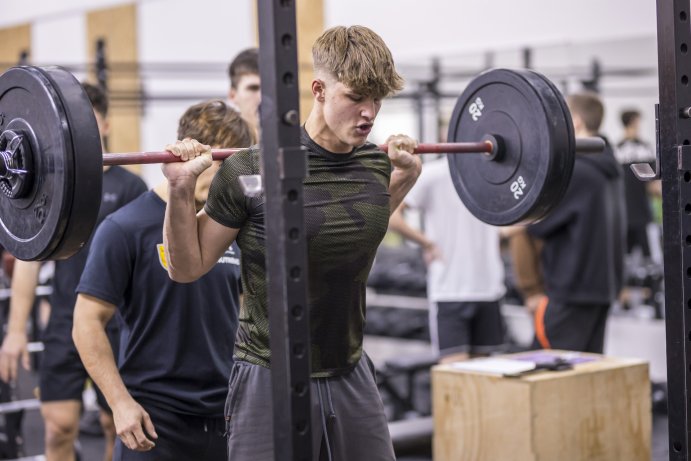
(214, 239)
(109, 264)
(90, 308)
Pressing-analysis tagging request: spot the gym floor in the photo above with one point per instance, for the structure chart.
(92, 446)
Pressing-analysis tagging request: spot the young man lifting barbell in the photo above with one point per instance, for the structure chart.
(350, 192)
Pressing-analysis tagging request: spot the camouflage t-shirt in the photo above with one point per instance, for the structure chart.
(346, 210)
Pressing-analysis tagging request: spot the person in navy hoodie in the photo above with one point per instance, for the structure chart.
(176, 352)
(584, 244)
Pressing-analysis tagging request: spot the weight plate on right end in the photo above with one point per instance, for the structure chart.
(524, 182)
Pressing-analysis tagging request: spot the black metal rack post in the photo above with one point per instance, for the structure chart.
(674, 135)
(283, 163)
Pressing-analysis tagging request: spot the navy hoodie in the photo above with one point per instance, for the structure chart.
(584, 236)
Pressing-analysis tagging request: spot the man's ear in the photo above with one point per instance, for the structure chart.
(231, 93)
(318, 89)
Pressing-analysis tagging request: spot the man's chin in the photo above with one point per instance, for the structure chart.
(358, 140)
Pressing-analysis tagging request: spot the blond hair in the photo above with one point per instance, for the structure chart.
(216, 124)
(357, 57)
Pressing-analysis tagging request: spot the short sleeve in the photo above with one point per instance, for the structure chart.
(227, 203)
(108, 269)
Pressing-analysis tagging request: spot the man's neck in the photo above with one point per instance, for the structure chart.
(630, 134)
(585, 134)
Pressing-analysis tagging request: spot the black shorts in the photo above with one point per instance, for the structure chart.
(570, 326)
(469, 326)
(62, 375)
(180, 438)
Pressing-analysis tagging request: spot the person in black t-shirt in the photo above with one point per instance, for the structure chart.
(584, 237)
(62, 375)
(176, 354)
(631, 150)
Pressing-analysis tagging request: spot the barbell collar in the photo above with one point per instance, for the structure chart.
(592, 145)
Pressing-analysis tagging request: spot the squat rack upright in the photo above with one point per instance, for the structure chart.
(674, 167)
(286, 255)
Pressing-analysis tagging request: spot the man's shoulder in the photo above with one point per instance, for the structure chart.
(123, 174)
(121, 185)
(242, 162)
(370, 148)
(136, 214)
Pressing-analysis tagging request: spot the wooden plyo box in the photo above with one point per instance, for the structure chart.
(598, 411)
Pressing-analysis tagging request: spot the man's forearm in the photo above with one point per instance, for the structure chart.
(402, 180)
(180, 235)
(525, 257)
(24, 283)
(97, 355)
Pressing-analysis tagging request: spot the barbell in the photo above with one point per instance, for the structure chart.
(51, 157)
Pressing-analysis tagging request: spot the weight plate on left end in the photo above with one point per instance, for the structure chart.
(43, 223)
(87, 155)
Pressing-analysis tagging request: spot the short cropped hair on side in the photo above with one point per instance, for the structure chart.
(357, 57)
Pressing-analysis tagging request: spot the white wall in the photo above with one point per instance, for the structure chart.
(213, 31)
(460, 32)
(416, 29)
(13, 12)
(169, 31)
(71, 48)
(563, 33)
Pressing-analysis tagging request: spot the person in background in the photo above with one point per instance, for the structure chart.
(168, 389)
(245, 90)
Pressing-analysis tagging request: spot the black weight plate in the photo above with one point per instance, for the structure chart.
(33, 227)
(88, 162)
(563, 155)
(525, 182)
(566, 168)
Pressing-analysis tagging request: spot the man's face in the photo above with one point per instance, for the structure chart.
(636, 124)
(247, 96)
(349, 115)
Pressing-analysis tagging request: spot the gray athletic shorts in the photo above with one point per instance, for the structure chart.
(348, 417)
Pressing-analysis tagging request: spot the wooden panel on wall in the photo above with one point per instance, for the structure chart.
(310, 25)
(13, 42)
(118, 28)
